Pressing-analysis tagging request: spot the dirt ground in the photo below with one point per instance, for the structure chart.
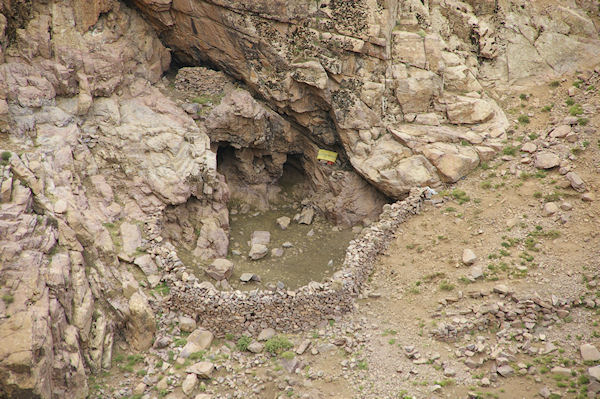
(391, 345)
(493, 212)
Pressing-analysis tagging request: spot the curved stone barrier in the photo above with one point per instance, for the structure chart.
(240, 311)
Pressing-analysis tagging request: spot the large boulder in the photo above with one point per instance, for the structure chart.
(220, 269)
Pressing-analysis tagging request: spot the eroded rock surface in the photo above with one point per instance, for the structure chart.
(102, 153)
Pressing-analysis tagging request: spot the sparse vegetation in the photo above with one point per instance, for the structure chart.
(278, 344)
(5, 157)
(576, 110)
(243, 342)
(8, 299)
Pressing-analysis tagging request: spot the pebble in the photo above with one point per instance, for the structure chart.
(468, 256)
(588, 197)
(589, 353)
(550, 208)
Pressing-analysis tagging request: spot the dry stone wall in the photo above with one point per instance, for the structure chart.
(237, 311)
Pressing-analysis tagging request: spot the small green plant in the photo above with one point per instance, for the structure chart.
(570, 101)
(583, 121)
(8, 299)
(547, 108)
(362, 365)
(523, 119)
(5, 157)
(577, 83)
(509, 150)
(197, 355)
(446, 286)
(523, 96)
(289, 355)
(278, 344)
(552, 197)
(576, 110)
(460, 196)
(180, 342)
(229, 336)
(554, 83)
(162, 289)
(486, 185)
(243, 342)
(540, 174)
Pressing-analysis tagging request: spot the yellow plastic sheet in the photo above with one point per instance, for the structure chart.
(328, 156)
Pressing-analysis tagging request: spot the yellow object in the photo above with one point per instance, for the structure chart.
(328, 156)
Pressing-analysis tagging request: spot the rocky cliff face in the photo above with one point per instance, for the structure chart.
(97, 161)
(397, 86)
(91, 152)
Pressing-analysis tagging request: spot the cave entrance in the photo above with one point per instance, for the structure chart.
(260, 179)
(268, 192)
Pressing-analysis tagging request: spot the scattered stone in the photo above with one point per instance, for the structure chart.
(310, 233)
(505, 371)
(589, 353)
(189, 383)
(199, 340)
(476, 272)
(545, 392)
(502, 289)
(576, 182)
(287, 244)
(139, 389)
(247, 277)
(220, 269)
(260, 237)
(283, 222)
(529, 147)
(546, 160)
(560, 131)
(449, 372)
(201, 369)
(588, 197)
(303, 347)
(277, 252)
(162, 384)
(146, 264)
(266, 334)
(468, 257)
(306, 216)
(290, 365)
(255, 347)
(566, 206)
(191, 108)
(187, 324)
(561, 371)
(258, 251)
(550, 208)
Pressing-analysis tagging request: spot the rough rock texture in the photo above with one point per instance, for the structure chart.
(103, 151)
(386, 82)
